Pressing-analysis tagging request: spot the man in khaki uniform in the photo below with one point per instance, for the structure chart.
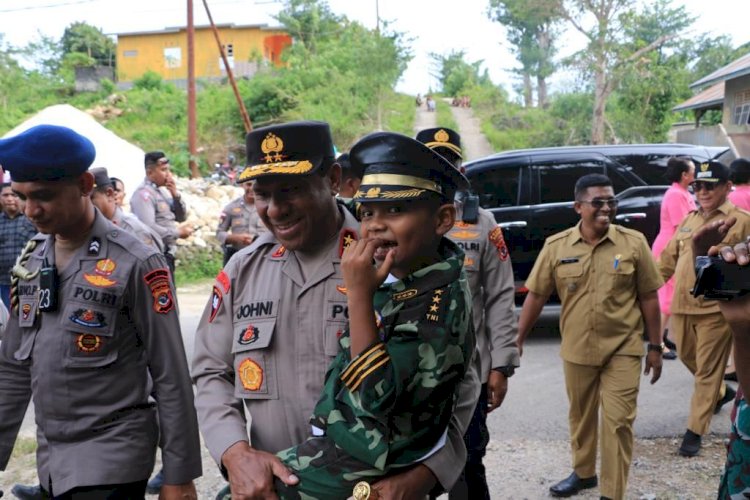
(93, 326)
(607, 281)
(239, 223)
(490, 273)
(702, 335)
(155, 210)
(271, 328)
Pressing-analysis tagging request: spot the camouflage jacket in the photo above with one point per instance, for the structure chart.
(391, 404)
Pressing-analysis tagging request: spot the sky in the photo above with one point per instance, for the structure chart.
(433, 26)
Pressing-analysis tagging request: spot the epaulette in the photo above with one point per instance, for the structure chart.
(560, 235)
(126, 240)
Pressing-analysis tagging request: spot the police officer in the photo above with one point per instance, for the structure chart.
(488, 268)
(272, 325)
(155, 210)
(606, 280)
(702, 335)
(93, 320)
(239, 223)
(351, 176)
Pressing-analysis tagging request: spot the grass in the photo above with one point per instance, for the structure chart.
(399, 114)
(24, 446)
(197, 266)
(445, 115)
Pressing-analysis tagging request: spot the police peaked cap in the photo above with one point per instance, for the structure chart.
(101, 177)
(295, 148)
(441, 137)
(397, 167)
(712, 171)
(46, 153)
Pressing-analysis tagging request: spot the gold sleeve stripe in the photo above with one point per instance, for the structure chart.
(364, 375)
(363, 367)
(363, 359)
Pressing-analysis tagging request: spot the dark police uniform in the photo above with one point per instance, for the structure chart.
(87, 362)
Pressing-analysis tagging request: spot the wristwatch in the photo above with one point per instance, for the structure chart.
(656, 347)
(507, 370)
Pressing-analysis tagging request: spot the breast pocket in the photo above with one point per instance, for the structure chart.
(337, 316)
(255, 369)
(89, 332)
(621, 277)
(569, 277)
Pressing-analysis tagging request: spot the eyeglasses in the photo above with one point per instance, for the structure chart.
(708, 186)
(597, 203)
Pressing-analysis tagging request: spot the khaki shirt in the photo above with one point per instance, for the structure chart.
(598, 288)
(677, 257)
(490, 274)
(90, 364)
(158, 212)
(265, 341)
(239, 217)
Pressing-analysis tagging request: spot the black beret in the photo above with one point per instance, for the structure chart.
(712, 171)
(46, 153)
(441, 138)
(397, 167)
(740, 166)
(295, 148)
(101, 177)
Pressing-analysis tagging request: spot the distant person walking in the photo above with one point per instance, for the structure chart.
(675, 205)
(15, 230)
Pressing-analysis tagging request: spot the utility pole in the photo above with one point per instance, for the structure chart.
(191, 117)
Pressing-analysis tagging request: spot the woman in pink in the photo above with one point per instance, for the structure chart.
(740, 196)
(675, 205)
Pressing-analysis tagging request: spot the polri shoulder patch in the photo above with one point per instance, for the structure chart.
(216, 299)
(223, 280)
(496, 238)
(158, 281)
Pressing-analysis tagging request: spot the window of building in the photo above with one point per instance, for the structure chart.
(130, 53)
(172, 57)
(741, 114)
(229, 50)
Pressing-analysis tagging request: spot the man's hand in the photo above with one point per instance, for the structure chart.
(251, 472)
(711, 234)
(178, 492)
(497, 387)
(653, 361)
(519, 346)
(242, 240)
(171, 186)
(414, 484)
(185, 230)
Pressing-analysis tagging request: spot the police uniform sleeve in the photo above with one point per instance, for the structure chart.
(157, 319)
(499, 299)
(225, 220)
(220, 413)
(648, 277)
(143, 205)
(541, 280)
(15, 387)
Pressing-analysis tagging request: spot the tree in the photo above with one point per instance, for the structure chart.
(81, 37)
(609, 53)
(455, 74)
(531, 27)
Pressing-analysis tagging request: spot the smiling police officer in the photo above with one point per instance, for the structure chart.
(93, 316)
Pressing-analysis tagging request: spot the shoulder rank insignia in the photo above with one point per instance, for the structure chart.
(95, 245)
(158, 281)
(251, 375)
(434, 307)
(347, 237)
(496, 238)
(279, 253)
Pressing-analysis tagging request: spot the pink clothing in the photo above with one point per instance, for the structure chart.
(741, 196)
(675, 205)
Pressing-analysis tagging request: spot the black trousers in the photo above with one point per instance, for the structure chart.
(472, 483)
(228, 252)
(126, 491)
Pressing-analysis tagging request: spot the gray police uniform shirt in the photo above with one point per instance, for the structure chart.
(158, 212)
(265, 341)
(490, 273)
(239, 217)
(133, 224)
(87, 366)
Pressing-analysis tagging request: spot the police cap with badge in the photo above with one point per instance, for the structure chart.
(712, 171)
(46, 153)
(295, 148)
(399, 168)
(445, 141)
(102, 180)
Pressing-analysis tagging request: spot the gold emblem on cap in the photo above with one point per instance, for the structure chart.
(373, 192)
(361, 491)
(441, 136)
(704, 167)
(272, 146)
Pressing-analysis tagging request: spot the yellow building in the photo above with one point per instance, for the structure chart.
(165, 52)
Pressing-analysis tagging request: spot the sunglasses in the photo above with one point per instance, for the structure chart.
(611, 202)
(708, 186)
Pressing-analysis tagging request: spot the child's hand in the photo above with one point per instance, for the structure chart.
(360, 274)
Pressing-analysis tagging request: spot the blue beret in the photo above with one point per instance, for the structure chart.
(46, 153)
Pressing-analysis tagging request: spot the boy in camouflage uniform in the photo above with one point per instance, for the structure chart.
(390, 392)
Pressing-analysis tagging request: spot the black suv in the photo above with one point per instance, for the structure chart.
(530, 192)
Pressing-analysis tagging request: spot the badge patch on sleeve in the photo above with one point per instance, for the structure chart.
(251, 375)
(223, 280)
(158, 281)
(216, 299)
(496, 238)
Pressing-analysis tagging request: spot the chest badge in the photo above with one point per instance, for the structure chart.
(248, 335)
(88, 318)
(88, 343)
(251, 375)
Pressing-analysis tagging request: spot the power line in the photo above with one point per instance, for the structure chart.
(48, 6)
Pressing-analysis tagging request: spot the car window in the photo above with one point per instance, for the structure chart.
(497, 187)
(649, 167)
(619, 182)
(557, 181)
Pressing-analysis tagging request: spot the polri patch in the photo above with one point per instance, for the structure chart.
(158, 281)
(248, 335)
(89, 343)
(88, 318)
(251, 375)
(216, 299)
(223, 280)
(105, 267)
(496, 238)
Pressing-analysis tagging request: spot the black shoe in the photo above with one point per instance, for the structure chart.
(731, 376)
(729, 395)
(224, 494)
(153, 487)
(669, 355)
(670, 345)
(25, 492)
(691, 444)
(572, 485)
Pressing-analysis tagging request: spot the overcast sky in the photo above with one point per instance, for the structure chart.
(437, 26)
